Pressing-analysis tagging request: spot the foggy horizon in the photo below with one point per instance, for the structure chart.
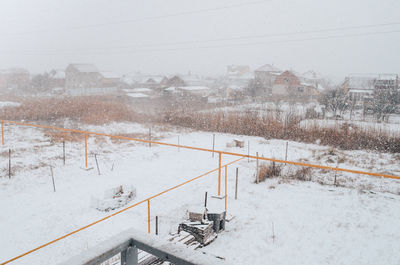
(334, 39)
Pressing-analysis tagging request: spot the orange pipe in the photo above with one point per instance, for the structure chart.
(226, 184)
(219, 173)
(210, 150)
(148, 216)
(114, 214)
(86, 150)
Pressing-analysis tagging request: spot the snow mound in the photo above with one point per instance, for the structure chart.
(114, 198)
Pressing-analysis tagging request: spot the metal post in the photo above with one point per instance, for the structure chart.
(130, 256)
(178, 144)
(97, 164)
(148, 216)
(86, 159)
(156, 225)
(52, 177)
(257, 176)
(219, 173)
(64, 153)
(236, 184)
(149, 137)
(2, 132)
(9, 163)
(248, 151)
(205, 200)
(287, 143)
(226, 185)
(213, 145)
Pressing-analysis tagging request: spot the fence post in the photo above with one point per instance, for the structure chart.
(148, 216)
(287, 143)
(86, 153)
(178, 144)
(226, 184)
(52, 177)
(2, 132)
(64, 152)
(130, 256)
(9, 163)
(248, 151)
(236, 185)
(213, 145)
(205, 200)
(257, 177)
(97, 164)
(150, 137)
(156, 224)
(219, 173)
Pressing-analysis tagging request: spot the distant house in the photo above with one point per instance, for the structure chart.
(174, 81)
(15, 78)
(57, 80)
(237, 70)
(264, 78)
(86, 79)
(289, 85)
(110, 79)
(360, 86)
(82, 76)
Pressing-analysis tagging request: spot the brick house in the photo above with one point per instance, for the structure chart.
(264, 78)
(289, 85)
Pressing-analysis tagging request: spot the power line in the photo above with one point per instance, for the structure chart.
(128, 21)
(106, 49)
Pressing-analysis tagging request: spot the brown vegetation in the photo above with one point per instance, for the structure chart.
(273, 126)
(86, 109)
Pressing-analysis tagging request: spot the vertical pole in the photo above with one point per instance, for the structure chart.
(2, 132)
(148, 216)
(219, 173)
(213, 145)
(257, 176)
(248, 151)
(52, 177)
(9, 163)
(86, 151)
(156, 225)
(130, 256)
(64, 152)
(287, 143)
(149, 137)
(226, 186)
(178, 144)
(205, 200)
(97, 164)
(236, 184)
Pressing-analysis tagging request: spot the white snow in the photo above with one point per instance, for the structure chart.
(9, 104)
(313, 223)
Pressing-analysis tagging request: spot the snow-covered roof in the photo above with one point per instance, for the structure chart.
(137, 95)
(109, 74)
(170, 89)
(388, 77)
(311, 75)
(194, 88)
(14, 71)
(361, 81)
(85, 68)
(141, 89)
(268, 68)
(368, 91)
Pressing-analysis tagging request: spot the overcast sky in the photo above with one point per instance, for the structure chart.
(170, 36)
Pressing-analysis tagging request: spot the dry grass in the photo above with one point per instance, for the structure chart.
(85, 109)
(270, 171)
(274, 126)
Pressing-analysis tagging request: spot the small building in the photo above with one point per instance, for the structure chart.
(264, 78)
(289, 85)
(82, 76)
(110, 79)
(15, 78)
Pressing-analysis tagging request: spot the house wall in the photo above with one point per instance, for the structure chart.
(76, 79)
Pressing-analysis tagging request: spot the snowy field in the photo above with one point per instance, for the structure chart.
(314, 222)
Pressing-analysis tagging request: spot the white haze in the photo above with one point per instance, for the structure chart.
(45, 34)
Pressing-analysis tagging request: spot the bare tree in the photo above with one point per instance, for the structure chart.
(335, 100)
(385, 103)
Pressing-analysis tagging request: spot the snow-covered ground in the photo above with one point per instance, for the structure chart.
(356, 222)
